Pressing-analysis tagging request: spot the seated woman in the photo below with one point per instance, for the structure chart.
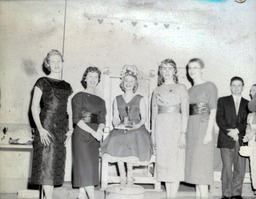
(129, 142)
(250, 135)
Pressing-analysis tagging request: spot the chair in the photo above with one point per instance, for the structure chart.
(141, 174)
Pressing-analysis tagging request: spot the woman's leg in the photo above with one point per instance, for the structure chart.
(203, 191)
(129, 173)
(90, 191)
(174, 189)
(198, 194)
(168, 189)
(121, 172)
(48, 191)
(81, 193)
(252, 166)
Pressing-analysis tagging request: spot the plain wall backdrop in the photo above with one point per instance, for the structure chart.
(112, 34)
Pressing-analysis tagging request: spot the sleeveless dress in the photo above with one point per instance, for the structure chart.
(199, 156)
(48, 165)
(132, 146)
(85, 147)
(170, 121)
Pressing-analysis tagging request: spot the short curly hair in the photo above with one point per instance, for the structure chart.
(160, 79)
(88, 70)
(46, 66)
(122, 82)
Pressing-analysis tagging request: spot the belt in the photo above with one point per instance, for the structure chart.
(171, 109)
(88, 117)
(199, 109)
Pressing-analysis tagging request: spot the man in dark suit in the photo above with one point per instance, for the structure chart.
(232, 118)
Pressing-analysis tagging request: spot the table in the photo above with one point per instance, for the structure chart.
(15, 167)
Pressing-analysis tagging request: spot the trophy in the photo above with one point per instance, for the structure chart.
(126, 119)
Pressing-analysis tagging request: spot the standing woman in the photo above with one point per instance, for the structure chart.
(49, 109)
(89, 119)
(200, 142)
(169, 125)
(250, 135)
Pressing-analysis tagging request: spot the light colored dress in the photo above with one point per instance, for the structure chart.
(199, 156)
(252, 121)
(171, 102)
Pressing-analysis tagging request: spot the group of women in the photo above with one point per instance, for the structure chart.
(182, 128)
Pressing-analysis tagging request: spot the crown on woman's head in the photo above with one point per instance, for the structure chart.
(129, 70)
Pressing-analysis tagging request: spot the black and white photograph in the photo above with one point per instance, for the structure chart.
(128, 99)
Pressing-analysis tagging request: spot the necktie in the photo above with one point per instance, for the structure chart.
(237, 105)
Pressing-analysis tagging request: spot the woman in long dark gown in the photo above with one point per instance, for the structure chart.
(49, 109)
(89, 119)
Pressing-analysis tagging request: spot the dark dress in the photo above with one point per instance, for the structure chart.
(49, 161)
(132, 146)
(84, 146)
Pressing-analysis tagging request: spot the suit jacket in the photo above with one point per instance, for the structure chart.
(226, 118)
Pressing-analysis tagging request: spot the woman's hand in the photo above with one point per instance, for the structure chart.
(207, 138)
(182, 140)
(116, 122)
(248, 136)
(98, 134)
(134, 126)
(163, 100)
(45, 137)
(120, 126)
(68, 134)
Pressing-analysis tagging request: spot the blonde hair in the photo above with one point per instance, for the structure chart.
(46, 65)
(160, 79)
(122, 82)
